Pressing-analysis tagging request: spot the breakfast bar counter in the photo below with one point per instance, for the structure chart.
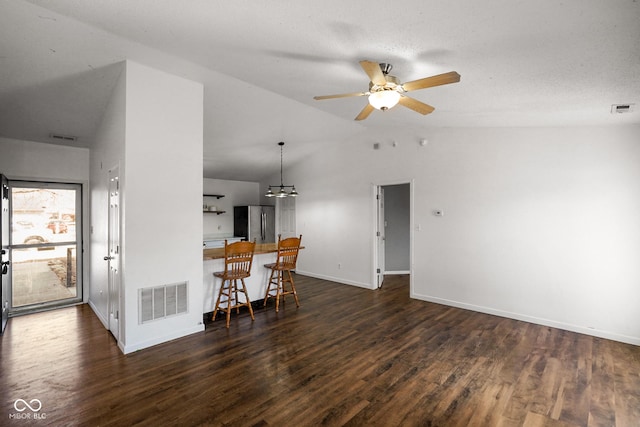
(218, 253)
(213, 260)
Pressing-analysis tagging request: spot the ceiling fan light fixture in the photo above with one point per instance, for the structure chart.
(384, 99)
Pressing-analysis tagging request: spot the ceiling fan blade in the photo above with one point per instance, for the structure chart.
(374, 72)
(365, 112)
(440, 79)
(415, 105)
(342, 95)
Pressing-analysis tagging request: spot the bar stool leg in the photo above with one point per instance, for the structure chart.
(269, 284)
(235, 294)
(246, 294)
(293, 288)
(279, 290)
(215, 310)
(217, 307)
(229, 299)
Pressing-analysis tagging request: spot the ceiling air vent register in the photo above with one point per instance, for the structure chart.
(62, 137)
(622, 108)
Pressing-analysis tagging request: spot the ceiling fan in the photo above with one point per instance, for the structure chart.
(385, 90)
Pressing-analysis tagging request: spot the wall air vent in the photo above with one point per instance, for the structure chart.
(622, 108)
(59, 137)
(162, 301)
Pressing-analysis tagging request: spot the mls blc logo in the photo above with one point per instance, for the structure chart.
(21, 405)
(33, 405)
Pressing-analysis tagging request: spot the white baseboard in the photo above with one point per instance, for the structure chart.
(129, 348)
(531, 319)
(336, 279)
(99, 315)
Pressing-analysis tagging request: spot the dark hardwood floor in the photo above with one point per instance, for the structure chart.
(347, 356)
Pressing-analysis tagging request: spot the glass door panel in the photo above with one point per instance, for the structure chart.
(44, 275)
(45, 240)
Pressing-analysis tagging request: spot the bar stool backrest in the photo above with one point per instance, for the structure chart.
(238, 257)
(288, 253)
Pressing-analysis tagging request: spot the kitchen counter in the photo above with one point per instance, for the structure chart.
(261, 248)
(218, 253)
(213, 260)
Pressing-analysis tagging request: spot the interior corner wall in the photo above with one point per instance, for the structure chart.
(161, 199)
(539, 224)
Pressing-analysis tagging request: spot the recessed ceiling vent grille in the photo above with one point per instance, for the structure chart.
(622, 108)
(162, 301)
(59, 137)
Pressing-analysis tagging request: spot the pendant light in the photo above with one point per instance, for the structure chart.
(281, 188)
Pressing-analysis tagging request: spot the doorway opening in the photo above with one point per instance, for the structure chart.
(394, 232)
(45, 244)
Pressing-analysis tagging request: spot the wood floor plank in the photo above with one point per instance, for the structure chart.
(347, 357)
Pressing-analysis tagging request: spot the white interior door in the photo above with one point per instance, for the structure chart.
(380, 236)
(286, 214)
(5, 261)
(113, 258)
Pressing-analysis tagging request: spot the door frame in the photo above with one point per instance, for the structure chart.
(375, 190)
(380, 237)
(5, 258)
(81, 280)
(114, 281)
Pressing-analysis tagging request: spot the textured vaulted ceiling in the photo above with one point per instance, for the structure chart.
(523, 63)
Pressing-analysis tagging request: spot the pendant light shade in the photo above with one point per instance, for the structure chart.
(281, 188)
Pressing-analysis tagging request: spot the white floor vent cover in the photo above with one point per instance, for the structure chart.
(162, 301)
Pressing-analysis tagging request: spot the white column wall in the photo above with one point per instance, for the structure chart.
(162, 199)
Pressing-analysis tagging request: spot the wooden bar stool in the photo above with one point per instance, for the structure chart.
(285, 262)
(238, 258)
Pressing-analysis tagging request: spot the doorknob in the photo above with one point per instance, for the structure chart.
(108, 258)
(4, 264)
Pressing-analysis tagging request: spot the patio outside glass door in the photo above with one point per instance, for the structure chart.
(46, 245)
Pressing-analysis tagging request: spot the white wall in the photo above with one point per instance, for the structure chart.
(162, 199)
(236, 193)
(34, 160)
(539, 224)
(55, 163)
(152, 129)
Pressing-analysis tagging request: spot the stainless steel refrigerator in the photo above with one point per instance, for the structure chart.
(255, 222)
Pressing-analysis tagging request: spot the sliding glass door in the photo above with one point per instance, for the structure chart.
(46, 245)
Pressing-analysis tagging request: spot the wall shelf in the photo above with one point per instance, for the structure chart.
(217, 196)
